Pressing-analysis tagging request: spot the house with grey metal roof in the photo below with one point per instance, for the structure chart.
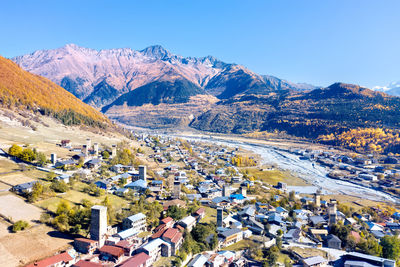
(364, 258)
(24, 188)
(332, 241)
(316, 261)
(137, 221)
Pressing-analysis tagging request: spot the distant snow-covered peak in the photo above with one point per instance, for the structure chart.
(388, 87)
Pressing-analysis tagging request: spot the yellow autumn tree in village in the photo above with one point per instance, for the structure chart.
(243, 161)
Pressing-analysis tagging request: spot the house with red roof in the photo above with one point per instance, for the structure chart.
(83, 263)
(126, 246)
(169, 222)
(175, 238)
(139, 260)
(199, 214)
(161, 227)
(111, 253)
(174, 202)
(62, 259)
(158, 234)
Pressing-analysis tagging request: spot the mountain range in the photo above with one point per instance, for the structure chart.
(154, 88)
(100, 77)
(334, 109)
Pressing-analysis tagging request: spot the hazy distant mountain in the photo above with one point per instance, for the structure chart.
(343, 91)
(100, 77)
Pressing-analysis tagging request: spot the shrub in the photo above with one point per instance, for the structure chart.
(19, 226)
(59, 186)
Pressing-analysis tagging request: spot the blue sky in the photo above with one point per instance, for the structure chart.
(319, 42)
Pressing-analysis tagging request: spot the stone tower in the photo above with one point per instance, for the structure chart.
(113, 151)
(96, 149)
(220, 217)
(86, 150)
(317, 198)
(142, 172)
(53, 158)
(226, 191)
(177, 190)
(332, 211)
(98, 224)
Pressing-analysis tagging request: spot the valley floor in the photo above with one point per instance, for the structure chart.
(39, 241)
(275, 153)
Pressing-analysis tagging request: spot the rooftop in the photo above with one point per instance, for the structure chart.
(170, 233)
(138, 183)
(200, 211)
(113, 251)
(198, 261)
(99, 207)
(137, 260)
(358, 264)
(154, 244)
(136, 217)
(369, 257)
(85, 240)
(158, 233)
(167, 220)
(62, 257)
(231, 232)
(127, 233)
(83, 263)
(315, 260)
(25, 185)
(188, 220)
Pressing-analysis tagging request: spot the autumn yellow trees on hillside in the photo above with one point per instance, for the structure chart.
(23, 90)
(373, 140)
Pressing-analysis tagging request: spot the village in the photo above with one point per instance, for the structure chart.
(172, 202)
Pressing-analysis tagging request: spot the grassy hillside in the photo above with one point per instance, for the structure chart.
(21, 89)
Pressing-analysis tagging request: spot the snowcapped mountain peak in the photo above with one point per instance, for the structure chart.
(157, 52)
(71, 46)
(83, 71)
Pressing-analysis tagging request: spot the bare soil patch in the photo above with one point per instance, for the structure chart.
(15, 178)
(18, 249)
(16, 208)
